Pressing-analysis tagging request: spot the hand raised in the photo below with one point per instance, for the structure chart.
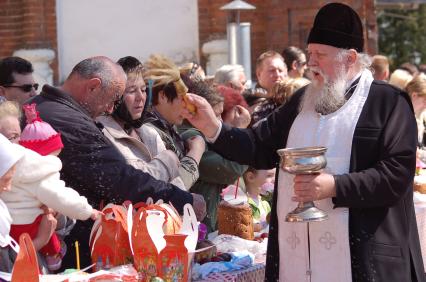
(204, 118)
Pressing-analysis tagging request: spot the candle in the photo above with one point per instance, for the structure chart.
(236, 187)
(77, 255)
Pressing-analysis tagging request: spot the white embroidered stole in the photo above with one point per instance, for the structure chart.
(329, 240)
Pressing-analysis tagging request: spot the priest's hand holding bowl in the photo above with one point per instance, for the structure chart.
(204, 117)
(313, 187)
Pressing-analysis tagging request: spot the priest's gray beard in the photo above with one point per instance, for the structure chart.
(328, 97)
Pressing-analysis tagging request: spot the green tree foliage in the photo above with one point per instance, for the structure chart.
(402, 35)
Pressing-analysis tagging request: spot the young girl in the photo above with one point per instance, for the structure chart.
(253, 180)
(37, 183)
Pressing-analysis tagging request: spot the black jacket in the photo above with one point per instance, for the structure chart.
(378, 191)
(94, 167)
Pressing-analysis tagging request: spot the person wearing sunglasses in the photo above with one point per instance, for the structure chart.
(193, 70)
(16, 79)
(295, 60)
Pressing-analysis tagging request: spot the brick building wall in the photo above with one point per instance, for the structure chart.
(28, 24)
(276, 24)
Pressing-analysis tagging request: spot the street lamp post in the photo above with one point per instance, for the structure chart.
(238, 35)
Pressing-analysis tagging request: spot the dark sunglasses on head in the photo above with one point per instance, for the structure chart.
(25, 87)
(194, 68)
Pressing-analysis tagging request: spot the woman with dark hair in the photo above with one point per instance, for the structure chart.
(140, 145)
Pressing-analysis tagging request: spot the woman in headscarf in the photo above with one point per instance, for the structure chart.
(139, 144)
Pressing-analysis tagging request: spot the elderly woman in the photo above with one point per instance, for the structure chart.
(416, 88)
(400, 78)
(139, 144)
(9, 121)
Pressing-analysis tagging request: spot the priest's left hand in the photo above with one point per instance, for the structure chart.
(313, 187)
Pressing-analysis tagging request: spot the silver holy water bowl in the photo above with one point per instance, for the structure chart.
(305, 160)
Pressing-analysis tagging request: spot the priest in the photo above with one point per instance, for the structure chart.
(369, 129)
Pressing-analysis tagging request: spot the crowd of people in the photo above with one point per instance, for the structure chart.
(129, 130)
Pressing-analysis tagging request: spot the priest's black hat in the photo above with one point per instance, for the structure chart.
(337, 25)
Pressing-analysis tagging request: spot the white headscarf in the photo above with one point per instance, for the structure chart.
(9, 154)
(5, 222)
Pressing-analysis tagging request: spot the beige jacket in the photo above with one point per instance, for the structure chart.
(150, 155)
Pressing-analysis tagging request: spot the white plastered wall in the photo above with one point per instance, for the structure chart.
(118, 28)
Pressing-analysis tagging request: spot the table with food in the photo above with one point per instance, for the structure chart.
(152, 242)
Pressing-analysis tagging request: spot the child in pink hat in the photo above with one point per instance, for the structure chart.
(38, 135)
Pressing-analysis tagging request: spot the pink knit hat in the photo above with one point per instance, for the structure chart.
(38, 135)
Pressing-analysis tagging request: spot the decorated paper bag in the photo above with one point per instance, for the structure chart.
(147, 241)
(26, 265)
(173, 259)
(109, 241)
(160, 241)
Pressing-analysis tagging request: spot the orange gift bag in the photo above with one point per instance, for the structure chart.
(145, 251)
(109, 241)
(25, 268)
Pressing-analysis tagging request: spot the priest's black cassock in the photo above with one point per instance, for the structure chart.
(378, 191)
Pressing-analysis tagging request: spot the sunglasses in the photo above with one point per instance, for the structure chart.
(25, 87)
(194, 68)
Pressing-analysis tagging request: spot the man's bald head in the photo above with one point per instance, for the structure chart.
(101, 67)
(95, 83)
